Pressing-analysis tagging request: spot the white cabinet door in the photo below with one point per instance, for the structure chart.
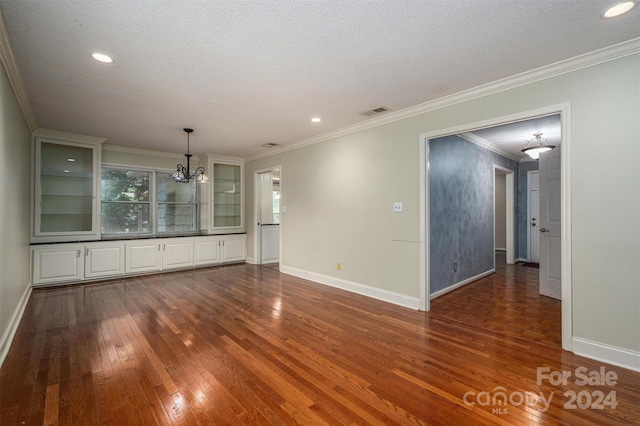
(233, 248)
(104, 260)
(225, 208)
(60, 263)
(207, 251)
(143, 257)
(177, 253)
(67, 187)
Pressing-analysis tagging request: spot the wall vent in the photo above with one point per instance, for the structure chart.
(375, 111)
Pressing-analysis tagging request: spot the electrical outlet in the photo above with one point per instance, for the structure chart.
(455, 267)
(397, 207)
(339, 266)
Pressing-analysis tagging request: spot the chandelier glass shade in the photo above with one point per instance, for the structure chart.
(535, 146)
(183, 174)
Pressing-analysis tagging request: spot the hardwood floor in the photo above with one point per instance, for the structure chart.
(506, 302)
(247, 345)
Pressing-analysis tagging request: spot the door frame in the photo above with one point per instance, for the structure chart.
(510, 212)
(564, 110)
(529, 174)
(257, 235)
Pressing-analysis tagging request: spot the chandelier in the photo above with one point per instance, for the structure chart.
(535, 146)
(183, 174)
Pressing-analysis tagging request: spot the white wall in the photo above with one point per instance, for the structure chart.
(15, 193)
(500, 214)
(113, 154)
(339, 196)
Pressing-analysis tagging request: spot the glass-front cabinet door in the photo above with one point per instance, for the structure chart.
(227, 191)
(65, 195)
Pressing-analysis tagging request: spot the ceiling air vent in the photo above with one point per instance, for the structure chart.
(375, 111)
(270, 145)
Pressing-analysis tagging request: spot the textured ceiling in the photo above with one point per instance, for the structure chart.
(245, 73)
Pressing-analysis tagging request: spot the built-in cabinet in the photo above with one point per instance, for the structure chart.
(233, 250)
(66, 207)
(66, 187)
(207, 251)
(223, 203)
(65, 263)
(59, 263)
(177, 253)
(104, 259)
(143, 256)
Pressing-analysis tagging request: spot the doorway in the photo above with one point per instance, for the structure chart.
(268, 190)
(533, 215)
(427, 228)
(504, 212)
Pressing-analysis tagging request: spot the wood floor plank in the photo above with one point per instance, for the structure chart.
(244, 344)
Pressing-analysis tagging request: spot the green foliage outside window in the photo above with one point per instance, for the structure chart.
(125, 201)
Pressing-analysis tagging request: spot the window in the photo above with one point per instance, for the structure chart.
(177, 204)
(125, 201)
(276, 206)
(127, 206)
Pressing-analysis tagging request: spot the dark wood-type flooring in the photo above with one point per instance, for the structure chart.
(247, 345)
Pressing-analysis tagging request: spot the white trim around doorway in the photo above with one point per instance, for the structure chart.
(257, 257)
(510, 213)
(565, 116)
(529, 174)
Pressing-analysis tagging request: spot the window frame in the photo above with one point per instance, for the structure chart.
(149, 202)
(153, 204)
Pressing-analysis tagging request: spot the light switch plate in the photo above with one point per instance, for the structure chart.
(397, 207)
(283, 209)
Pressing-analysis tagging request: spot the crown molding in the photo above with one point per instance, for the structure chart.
(482, 142)
(8, 61)
(617, 51)
(69, 137)
(141, 151)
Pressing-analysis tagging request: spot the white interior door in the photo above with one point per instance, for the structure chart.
(549, 224)
(533, 217)
(270, 252)
(268, 233)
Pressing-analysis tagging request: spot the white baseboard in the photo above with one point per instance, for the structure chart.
(250, 260)
(614, 355)
(362, 289)
(12, 327)
(500, 249)
(460, 284)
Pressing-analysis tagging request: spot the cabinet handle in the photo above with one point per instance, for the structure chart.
(222, 242)
(78, 255)
(158, 247)
(164, 247)
(86, 251)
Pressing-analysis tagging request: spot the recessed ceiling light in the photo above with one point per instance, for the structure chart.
(619, 8)
(71, 160)
(66, 171)
(316, 119)
(102, 58)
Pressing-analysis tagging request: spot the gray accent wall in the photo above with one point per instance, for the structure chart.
(521, 224)
(461, 219)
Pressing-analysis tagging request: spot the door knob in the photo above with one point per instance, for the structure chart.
(533, 224)
(544, 230)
